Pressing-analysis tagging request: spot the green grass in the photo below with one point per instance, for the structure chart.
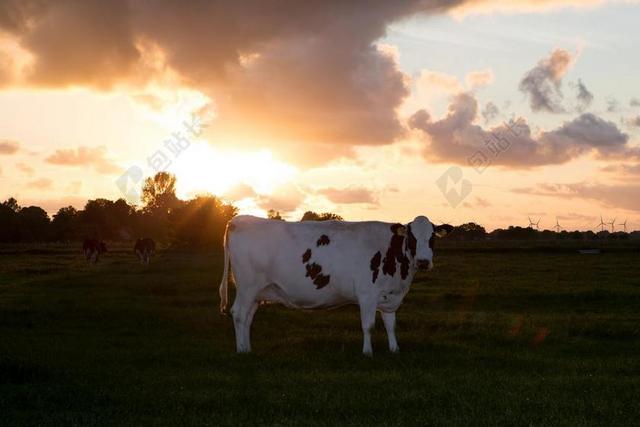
(487, 338)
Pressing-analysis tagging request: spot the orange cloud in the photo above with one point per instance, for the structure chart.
(84, 156)
(8, 147)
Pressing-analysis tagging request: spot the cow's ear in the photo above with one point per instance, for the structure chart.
(443, 230)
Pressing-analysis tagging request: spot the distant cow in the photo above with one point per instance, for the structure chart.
(144, 249)
(92, 249)
(314, 265)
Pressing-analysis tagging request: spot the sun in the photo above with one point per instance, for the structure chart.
(202, 168)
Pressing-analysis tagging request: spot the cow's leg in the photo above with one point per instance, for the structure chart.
(247, 325)
(389, 320)
(243, 309)
(368, 319)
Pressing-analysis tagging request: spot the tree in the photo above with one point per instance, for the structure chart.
(325, 216)
(159, 192)
(273, 214)
(468, 231)
(9, 227)
(64, 225)
(200, 222)
(33, 224)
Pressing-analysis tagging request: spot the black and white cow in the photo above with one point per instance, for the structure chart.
(92, 249)
(144, 249)
(314, 265)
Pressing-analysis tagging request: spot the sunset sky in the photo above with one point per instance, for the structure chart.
(370, 109)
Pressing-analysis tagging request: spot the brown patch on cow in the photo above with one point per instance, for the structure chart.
(411, 241)
(321, 280)
(394, 252)
(375, 266)
(306, 256)
(313, 270)
(323, 240)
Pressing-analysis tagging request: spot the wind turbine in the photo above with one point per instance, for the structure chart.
(602, 224)
(534, 224)
(613, 225)
(624, 225)
(558, 227)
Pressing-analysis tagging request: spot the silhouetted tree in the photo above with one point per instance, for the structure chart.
(9, 227)
(33, 223)
(273, 214)
(200, 222)
(468, 231)
(325, 216)
(159, 198)
(64, 225)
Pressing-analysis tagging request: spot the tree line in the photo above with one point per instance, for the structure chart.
(197, 222)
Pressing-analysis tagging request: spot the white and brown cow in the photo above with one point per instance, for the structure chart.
(92, 249)
(144, 249)
(315, 265)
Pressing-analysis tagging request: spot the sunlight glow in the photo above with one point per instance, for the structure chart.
(202, 168)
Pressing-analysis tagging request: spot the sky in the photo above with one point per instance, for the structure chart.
(476, 110)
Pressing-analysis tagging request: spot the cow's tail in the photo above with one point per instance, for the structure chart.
(224, 285)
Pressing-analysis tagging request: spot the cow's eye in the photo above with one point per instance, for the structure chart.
(432, 241)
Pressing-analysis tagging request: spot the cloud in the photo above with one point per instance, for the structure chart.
(490, 112)
(633, 121)
(479, 78)
(635, 102)
(26, 169)
(584, 97)
(611, 195)
(286, 198)
(41, 184)
(84, 156)
(349, 195)
(543, 82)
(8, 147)
(239, 192)
(623, 169)
(457, 139)
(477, 203)
(612, 104)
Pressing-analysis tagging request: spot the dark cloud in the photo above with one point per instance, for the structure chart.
(9, 147)
(611, 195)
(293, 70)
(490, 112)
(84, 156)
(456, 138)
(543, 82)
(584, 97)
(350, 195)
(612, 104)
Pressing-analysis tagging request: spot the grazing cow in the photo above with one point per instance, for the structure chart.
(314, 265)
(144, 248)
(92, 249)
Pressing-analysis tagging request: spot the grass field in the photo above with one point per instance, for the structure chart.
(487, 338)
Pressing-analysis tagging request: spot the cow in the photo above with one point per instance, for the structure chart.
(324, 264)
(144, 249)
(92, 249)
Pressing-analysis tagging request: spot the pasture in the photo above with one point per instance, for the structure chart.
(489, 337)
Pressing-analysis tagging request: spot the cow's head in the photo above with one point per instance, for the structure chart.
(421, 237)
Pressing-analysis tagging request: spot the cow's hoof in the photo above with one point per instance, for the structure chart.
(395, 349)
(368, 353)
